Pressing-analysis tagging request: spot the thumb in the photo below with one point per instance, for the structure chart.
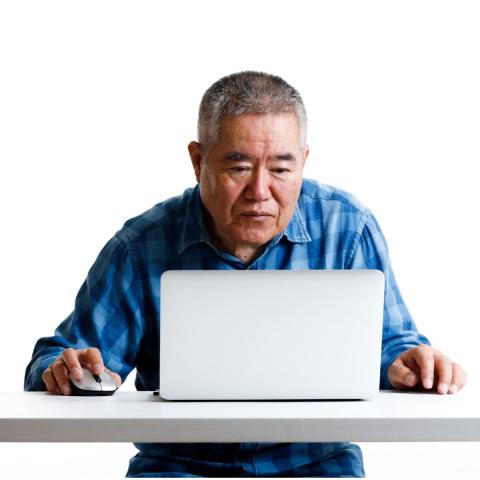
(400, 376)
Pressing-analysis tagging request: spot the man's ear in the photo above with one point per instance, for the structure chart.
(306, 151)
(195, 151)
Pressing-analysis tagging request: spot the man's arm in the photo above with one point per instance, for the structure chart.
(408, 360)
(106, 324)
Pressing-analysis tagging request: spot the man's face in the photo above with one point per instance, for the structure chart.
(251, 179)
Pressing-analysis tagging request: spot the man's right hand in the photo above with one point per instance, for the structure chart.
(55, 376)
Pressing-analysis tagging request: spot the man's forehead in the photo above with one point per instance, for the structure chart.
(268, 120)
(259, 127)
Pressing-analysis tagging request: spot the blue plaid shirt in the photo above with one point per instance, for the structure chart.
(117, 311)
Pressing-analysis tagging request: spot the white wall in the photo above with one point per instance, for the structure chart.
(98, 101)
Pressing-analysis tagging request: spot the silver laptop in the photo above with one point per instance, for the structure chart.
(270, 334)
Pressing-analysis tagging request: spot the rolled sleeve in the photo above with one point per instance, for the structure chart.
(400, 333)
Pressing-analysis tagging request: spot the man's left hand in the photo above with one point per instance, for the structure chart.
(424, 367)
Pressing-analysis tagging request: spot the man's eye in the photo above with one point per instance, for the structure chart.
(239, 169)
(280, 170)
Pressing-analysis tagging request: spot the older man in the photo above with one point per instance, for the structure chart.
(251, 209)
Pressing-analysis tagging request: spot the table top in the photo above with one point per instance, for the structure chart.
(130, 416)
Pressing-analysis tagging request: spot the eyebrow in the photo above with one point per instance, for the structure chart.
(285, 156)
(236, 156)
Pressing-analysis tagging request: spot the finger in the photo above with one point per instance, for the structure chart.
(116, 376)
(70, 358)
(443, 367)
(49, 381)
(459, 378)
(401, 376)
(92, 359)
(60, 373)
(423, 357)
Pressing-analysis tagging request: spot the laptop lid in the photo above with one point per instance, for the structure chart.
(270, 334)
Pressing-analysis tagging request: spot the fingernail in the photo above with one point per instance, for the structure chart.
(410, 380)
(77, 372)
(66, 389)
(453, 388)
(428, 383)
(443, 387)
(97, 368)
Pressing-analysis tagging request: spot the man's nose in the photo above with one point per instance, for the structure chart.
(258, 187)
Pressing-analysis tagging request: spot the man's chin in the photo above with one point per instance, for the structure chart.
(256, 237)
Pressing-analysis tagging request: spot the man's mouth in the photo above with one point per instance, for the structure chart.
(254, 215)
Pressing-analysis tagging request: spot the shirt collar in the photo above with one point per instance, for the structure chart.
(296, 230)
(193, 228)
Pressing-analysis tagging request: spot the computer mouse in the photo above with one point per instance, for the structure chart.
(92, 385)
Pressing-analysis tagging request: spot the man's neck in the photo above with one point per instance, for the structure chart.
(246, 253)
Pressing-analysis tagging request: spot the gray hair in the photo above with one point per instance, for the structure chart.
(248, 92)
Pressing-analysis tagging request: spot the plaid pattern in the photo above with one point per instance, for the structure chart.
(117, 311)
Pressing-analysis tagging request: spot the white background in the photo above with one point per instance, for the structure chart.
(98, 101)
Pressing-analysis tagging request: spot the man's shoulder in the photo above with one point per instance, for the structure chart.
(316, 195)
(155, 221)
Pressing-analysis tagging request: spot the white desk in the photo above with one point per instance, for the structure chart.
(143, 417)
